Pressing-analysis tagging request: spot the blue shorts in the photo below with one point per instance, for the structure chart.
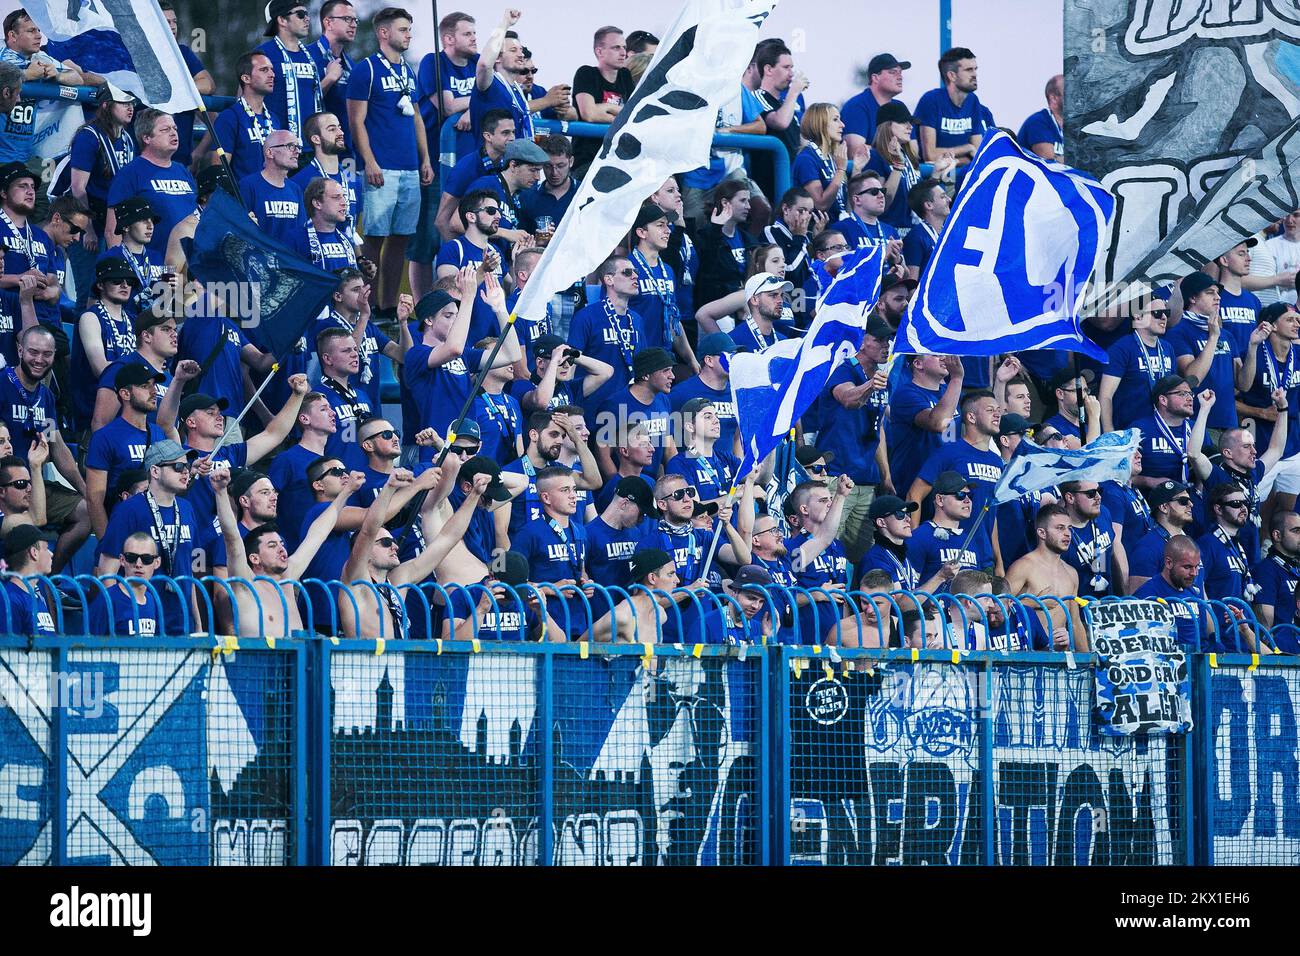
(393, 209)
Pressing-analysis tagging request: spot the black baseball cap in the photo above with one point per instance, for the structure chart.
(133, 210)
(210, 178)
(1170, 382)
(10, 173)
(649, 361)
(878, 328)
(22, 537)
(276, 9)
(949, 482)
(894, 112)
(1166, 492)
(133, 373)
(646, 560)
(892, 280)
(885, 61)
(192, 403)
(152, 317)
(807, 454)
(752, 577)
(635, 490)
(1275, 311)
(243, 479)
(514, 570)
(716, 343)
(1067, 375)
(544, 346)
(1194, 284)
(649, 213)
(1014, 424)
(483, 465)
(433, 302)
(115, 268)
(883, 505)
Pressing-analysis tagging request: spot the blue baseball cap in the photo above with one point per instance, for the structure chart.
(716, 343)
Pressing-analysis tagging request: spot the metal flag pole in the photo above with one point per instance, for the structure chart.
(717, 536)
(993, 496)
(1078, 398)
(484, 368)
(230, 429)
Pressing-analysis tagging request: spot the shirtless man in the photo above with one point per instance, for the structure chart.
(374, 559)
(640, 619)
(1044, 571)
(262, 554)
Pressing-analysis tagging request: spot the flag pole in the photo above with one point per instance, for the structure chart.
(993, 497)
(717, 537)
(1078, 398)
(484, 368)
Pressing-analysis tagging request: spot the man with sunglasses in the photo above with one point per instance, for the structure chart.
(892, 522)
(942, 539)
(25, 609)
(122, 443)
(163, 513)
(675, 532)
(274, 200)
(1223, 553)
(22, 488)
(480, 213)
(1171, 507)
(521, 171)
(1095, 552)
(104, 334)
(37, 250)
(862, 227)
(297, 91)
(1203, 350)
(1136, 363)
(1070, 418)
(131, 609)
(554, 381)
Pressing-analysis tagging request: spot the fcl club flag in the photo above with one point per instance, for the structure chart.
(128, 41)
(774, 387)
(291, 291)
(1109, 458)
(665, 128)
(1013, 260)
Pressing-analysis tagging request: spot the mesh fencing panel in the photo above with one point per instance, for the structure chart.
(1254, 778)
(26, 707)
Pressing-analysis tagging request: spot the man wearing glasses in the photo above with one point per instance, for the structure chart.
(862, 228)
(1171, 507)
(1223, 553)
(1169, 438)
(161, 512)
(480, 213)
(1095, 552)
(297, 92)
(37, 250)
(131, 610)
(22, 488)
(1136, 363)
(521, 171)
(274, 200)
(891, 518)
(942, 539)
(1070, 419)
(338, 25)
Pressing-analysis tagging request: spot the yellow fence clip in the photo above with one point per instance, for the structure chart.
(830, 671)
(439, 645)
(334, 640)
(697, 650)
(582, 650)
(797, 665)
(1213, 659)
(475, 644)
(956, 656)
(379, 646)
(817, 649)
(231, 644)
(1254, 662)
(270, 642)
(916, 654)
(649, 650)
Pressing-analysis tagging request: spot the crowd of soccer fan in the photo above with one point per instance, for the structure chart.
(602, 448)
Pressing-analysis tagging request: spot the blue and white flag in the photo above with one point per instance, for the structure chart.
(1013, 261)
(1109, 458)
(127, 41)
(774, 387)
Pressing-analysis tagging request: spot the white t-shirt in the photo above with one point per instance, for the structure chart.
(1286, 256)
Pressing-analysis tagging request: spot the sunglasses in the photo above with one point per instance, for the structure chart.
(386, 542)
(630, 273)
(300, 14)
(680, 493)
(870, 191)
(336, 472)
(1093, 493)
(467, 450)
(180, 467)
(387, 434)
(900, 515)
(130, 557)
(815, 469)
(22, 484)
(961, 495)
(1184, 500)
(531, 71)
(1045, 437)
(1235, 503)
(489, 210)
(75, 230)
(1159, 313)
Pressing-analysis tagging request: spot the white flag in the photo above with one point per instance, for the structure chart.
(665, 128)
(1109, 458)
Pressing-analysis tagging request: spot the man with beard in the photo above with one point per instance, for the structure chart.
(297, 88)
(1267, 366)
(122, 443)
(764, 300)
(950, 119)
(388, 136)
(1095, 553)
(1046, 571)
(522, 170)
(155, 176)
(338, 29)
(480, 213)
(496, 84)
(241, 129)
(546, 434)
(456, 63)
(325, 137)
(30, 249)
(22, 488)
(288, 470)
(890, 515)
(895, 293)
(1137, 363)
(1242, 466)
(169, 519)
(269, 609)
(349, 309)
(1168, 438)
(1171, 507)
(1276, 575)
(27, 408)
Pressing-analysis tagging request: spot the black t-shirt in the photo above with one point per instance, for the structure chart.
(588, 80)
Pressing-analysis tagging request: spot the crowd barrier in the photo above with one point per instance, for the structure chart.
(315, 750)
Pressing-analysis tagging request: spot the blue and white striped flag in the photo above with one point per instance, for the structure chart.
(1013, 260)
(127, 41)
(1109, 458)
(774, 387)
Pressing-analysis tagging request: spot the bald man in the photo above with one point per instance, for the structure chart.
(273, 199)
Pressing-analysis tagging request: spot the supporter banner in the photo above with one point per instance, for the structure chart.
(772, 388)
(1255, 794)
(171, 758)
(57, 122)
(1162, 100)
(1013, 260)
(1142, 677)
(1109, 458)
(666, 127)
(127, 41)
(435, 760)
(885, 768)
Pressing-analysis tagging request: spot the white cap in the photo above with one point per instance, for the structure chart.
(766, 282)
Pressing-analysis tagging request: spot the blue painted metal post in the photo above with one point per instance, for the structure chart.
(781, 766)
(945, 25)
(546, 804)
(1198, 815)
(318, 772)
(765, 760)
(988, 773)
(301, 747)
(59, 759)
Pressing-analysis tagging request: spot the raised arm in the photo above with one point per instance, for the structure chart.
(269, 439)
(358, 558)
(440, 545)
(1277, 443)
(487, 60)
(236, 556)
(454, 345)
(321, 528)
